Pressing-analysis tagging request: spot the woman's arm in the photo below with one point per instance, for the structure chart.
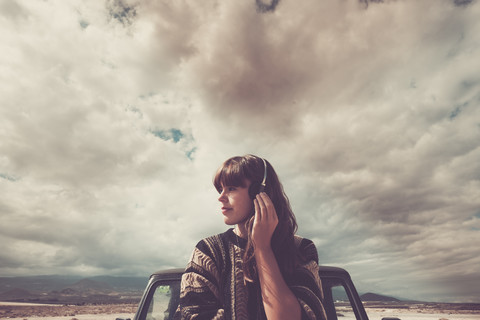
(278, 300)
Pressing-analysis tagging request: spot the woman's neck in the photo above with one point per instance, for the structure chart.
(241, 230)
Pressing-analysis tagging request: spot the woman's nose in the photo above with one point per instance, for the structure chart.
(222, 197)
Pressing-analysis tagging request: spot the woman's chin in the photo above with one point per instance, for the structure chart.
(228, 221)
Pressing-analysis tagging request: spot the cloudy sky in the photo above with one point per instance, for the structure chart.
(114, 116)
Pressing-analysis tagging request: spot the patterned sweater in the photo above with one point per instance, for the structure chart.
(213, 285)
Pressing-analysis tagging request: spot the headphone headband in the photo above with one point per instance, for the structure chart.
(264, 182)
(256, 187)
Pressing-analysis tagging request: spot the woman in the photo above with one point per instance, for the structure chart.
(259, 269)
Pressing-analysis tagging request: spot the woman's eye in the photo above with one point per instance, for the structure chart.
(232, 188)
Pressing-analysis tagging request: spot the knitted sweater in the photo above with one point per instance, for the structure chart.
(213, 285)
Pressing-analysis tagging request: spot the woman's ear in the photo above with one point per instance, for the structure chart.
(254, 189)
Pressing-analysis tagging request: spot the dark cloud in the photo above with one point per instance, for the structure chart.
(462, 2)
(12, 9)
(263, 7)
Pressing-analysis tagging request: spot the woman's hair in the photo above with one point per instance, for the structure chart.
(235, 172)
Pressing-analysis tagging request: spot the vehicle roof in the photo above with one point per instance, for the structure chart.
(323, 270)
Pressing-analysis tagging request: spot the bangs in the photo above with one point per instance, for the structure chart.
(230, 174)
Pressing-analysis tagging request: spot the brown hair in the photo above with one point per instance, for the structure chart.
(234, 172)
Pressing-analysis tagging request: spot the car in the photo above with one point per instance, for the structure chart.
(162, 294)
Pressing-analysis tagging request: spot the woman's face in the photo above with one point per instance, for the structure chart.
(236, 204)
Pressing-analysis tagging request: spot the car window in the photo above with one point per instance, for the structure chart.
(162, 301)
(343, 308)
(337, 300)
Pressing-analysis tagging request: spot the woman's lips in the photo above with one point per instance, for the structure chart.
(225, 209)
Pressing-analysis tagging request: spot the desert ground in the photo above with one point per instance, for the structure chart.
(432, 314)
(23, 311)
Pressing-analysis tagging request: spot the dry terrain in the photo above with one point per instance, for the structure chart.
(22, 311)
(32, 311)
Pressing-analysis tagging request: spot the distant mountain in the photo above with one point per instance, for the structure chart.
(377, 297)
(37, 283)
(17, 294)
(72, 289)
(123, 283)
(89, 285)
(58, 283)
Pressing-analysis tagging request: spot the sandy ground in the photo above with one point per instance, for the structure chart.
(66, 312)
(81, 317)
(405, 314)
(21, 311)
(23, 304)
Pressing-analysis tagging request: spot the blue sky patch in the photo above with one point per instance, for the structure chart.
(458, 109)
(7, 177)
(475, 216)
(190, 153)
(172, 134)
(185, 141)
(121, 11)
(454, 113)
(84, 24)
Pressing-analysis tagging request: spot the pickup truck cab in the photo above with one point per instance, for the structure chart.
(161, 296)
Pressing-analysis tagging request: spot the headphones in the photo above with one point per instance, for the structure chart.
(255, 187)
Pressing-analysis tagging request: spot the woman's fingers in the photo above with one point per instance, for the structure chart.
(257, 210)
(266, 207)
(261, 207)
(266, 221)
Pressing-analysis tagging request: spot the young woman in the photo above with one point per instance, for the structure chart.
(259, 269)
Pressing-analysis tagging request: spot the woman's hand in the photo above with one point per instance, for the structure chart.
(266, 221)
(279, 301)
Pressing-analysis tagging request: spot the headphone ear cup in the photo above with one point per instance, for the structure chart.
(254, 189)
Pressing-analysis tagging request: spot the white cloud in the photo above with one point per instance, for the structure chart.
(115, 115)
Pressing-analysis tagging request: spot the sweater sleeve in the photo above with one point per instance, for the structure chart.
(200, 296)
(306, 284)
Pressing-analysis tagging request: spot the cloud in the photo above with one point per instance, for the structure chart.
(115, 115)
